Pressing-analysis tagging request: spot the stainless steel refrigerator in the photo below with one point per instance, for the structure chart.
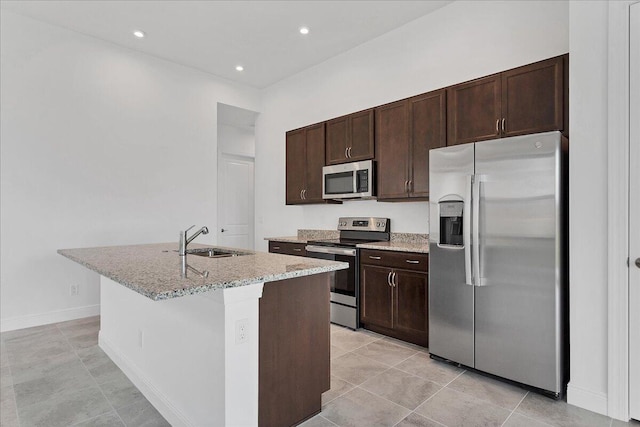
(497, 258)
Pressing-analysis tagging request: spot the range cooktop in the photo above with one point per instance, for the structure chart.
(357, 230)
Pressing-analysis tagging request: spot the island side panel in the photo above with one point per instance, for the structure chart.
(180, 352)
(294, 349)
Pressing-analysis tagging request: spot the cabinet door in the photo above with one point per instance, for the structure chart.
(361, 136)
(473, 110)
(375, 296)
(337, 136)
(533, 98)
(411, 305)
(314, 163)
(427, 127)
(392, 139)
(296, 165)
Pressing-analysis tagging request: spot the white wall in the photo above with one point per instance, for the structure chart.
(461, 41)
(100, 145)
(588, 207)
(236, 140)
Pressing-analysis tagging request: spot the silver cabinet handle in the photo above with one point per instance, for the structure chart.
(301, 194)
(410, 185)
(406, 186)
(275, 247)
(497, 126)
(297, 249)
(377, 257)
(346, 156)
(393, 280)
(638, 262)
(410, 261)
(503, 124)
(389, 278)
(349, 151)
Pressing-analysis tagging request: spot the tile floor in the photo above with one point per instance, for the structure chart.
(378, 381)
(56, 375)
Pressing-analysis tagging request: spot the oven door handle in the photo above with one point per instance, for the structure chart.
(331, 250)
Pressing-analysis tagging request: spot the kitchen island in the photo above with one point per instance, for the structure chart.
(238, 340)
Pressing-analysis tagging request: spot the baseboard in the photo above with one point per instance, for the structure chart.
(587, 399)
(174, 416)
(31, 320)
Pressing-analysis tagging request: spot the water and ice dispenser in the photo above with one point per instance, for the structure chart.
(451, 223)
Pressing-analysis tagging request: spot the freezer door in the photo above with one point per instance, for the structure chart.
(450, 287)
(518, 295)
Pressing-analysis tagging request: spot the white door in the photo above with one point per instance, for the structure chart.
(235, 201)
(634, 214)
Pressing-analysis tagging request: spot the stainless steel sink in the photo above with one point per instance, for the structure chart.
(214, 253)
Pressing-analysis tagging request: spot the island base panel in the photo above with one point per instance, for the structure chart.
(294, 348)
(182, 353)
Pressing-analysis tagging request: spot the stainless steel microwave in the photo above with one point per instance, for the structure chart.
(354, 180)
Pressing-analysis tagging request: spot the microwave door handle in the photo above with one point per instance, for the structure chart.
(355, 182)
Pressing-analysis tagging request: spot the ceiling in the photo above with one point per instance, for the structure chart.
(215, 36)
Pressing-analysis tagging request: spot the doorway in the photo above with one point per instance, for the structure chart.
(235, 201)
(634, 212)
(236, 161)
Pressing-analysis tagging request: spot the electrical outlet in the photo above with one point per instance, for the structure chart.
(140, 338)
(74, 290)
(242, 331)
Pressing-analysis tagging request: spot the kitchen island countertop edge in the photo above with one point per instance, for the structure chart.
(154, 270)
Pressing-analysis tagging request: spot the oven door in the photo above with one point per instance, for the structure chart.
(343, 288)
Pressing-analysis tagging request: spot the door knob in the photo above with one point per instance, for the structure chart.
(222, 230)
(638, 262)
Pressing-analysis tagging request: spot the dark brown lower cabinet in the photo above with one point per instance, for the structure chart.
(376, 296)
(287, 248)
(294, 350)
(394, 295)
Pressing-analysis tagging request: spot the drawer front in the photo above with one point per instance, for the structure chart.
(287, 248)
(404, 260)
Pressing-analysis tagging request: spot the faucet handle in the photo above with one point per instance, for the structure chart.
(189, 228)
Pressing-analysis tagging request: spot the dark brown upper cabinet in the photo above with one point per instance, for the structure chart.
(305, 159)
(520, 101)
(350, 138)
(405, 132)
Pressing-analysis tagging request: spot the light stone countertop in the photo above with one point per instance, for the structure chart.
(397, 246)
(154, 270)
(400, 242)
(287, 239)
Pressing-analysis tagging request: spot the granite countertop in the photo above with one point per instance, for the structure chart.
(154, 270)
(287, 239)
(400, 242)
(397, 246)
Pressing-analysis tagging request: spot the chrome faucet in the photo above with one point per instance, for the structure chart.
(184, 240)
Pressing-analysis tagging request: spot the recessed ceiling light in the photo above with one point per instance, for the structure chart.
(139, 34)
(239, 68)
(304, 30)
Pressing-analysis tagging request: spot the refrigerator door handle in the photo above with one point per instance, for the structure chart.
(466, 227)
(477, 280)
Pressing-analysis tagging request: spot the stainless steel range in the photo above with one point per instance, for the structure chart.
(345, 291)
